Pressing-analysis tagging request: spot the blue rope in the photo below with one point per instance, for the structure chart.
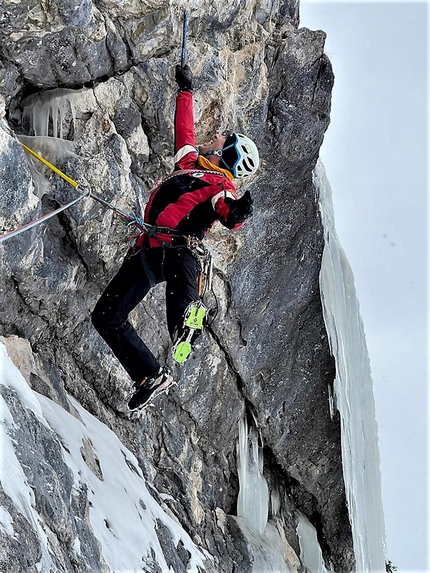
(32, 224)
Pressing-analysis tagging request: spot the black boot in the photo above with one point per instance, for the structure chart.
(150, 388)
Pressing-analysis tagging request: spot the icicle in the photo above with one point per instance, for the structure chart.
(253, 500)
(264, 542)
(310, 550)
(47, 113)
(331, 402)
(275, 501)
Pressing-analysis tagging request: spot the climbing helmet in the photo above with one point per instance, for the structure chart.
(240, 155)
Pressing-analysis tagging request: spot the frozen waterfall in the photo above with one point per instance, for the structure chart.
(253, 499)
(264, 542)
(353, 393)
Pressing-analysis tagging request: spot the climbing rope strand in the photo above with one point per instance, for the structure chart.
(32, 224)
(122, 214)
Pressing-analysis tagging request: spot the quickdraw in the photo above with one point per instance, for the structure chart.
(205, 260)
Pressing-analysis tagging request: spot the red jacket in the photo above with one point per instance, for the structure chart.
(189, 203)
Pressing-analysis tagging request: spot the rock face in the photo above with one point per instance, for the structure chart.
(100, 79)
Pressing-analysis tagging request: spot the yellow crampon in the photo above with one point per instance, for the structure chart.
(193, 322)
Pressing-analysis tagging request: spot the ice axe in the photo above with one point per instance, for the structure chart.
(184, 40)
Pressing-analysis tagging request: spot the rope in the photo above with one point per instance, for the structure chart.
(205, 261)
(23, 228)
(55, 169)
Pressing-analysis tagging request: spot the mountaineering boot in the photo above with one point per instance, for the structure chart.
(194, 317)
(150, 388)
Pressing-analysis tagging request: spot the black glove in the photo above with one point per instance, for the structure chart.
(184, 78)
(239, 209)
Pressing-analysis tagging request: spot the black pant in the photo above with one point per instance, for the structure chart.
(137, 275)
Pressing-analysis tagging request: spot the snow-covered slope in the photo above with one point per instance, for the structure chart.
(47, 448)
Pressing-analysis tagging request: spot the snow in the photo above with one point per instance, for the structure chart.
(123, 514)
(6, 524)
(353, 393)
(12, 477)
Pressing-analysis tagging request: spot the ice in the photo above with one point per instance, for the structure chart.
(266, 549)
(49, 118)
(353, 389)
(263, 539)
(253, 500)
(50, 113)
(123, 514)
(310, 550)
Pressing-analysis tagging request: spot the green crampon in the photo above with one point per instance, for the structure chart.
(196, 316)
(193, 322)
(182, 351)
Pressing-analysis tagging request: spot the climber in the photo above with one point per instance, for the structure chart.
(181, 211)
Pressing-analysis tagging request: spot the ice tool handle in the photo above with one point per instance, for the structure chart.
(184, 40)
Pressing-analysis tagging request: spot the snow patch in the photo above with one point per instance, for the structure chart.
(6, 522)
(123, 514)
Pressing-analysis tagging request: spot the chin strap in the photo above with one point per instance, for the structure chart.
(219, 152)
(215, 152)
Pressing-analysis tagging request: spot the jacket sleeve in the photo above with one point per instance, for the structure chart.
(185, 140)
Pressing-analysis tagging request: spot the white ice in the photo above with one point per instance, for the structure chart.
(310, 550)
(253, 505)
(353, 393)
(253, 499)
(46, 113)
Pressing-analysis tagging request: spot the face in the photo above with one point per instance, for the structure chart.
(217, 142)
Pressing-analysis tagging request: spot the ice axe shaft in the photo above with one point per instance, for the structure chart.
(184, 40)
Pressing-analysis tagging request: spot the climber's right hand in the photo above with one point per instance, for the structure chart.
(239, 209)
(184, 78)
